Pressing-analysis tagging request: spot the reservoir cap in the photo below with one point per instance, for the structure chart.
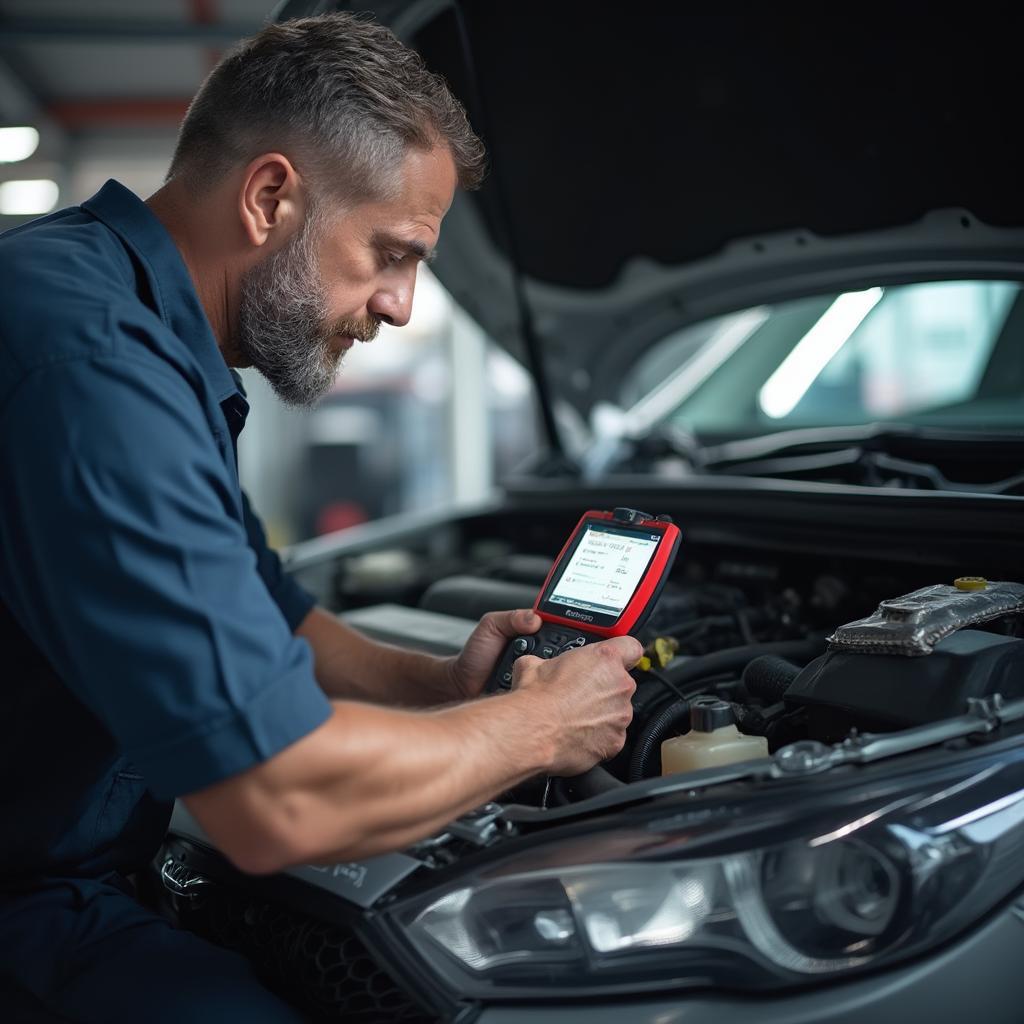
(708, 713)
(970, 583)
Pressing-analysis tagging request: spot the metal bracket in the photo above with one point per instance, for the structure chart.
(480, 827)
(180, 880)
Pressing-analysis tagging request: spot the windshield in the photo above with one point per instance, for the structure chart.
(948, 353)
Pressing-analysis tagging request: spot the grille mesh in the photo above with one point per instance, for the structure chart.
(323, 969)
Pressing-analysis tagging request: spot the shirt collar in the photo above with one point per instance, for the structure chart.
(170, 284)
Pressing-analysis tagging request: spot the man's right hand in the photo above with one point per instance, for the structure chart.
(585, 696)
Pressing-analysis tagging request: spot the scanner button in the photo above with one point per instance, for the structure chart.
(522, 644)
(569, 647)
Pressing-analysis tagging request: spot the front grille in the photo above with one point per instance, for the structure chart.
(322, 969)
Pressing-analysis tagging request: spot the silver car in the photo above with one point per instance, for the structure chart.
(765, 265)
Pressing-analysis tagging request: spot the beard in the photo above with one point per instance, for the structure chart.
(284, 330)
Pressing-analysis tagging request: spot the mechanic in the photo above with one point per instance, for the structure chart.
(153, 647)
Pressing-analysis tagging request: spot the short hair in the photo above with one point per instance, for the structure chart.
(338, 94)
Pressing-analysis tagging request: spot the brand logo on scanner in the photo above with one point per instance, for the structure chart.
(579, 615)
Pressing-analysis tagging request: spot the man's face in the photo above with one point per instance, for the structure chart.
(339, 278)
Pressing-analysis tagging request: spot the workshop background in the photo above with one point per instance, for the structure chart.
(426, 416)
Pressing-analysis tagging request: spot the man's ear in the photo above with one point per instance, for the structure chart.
(271, 200)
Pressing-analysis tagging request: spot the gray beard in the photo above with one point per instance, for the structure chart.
(283, 324)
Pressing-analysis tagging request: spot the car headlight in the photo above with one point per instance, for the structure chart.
(767, 900)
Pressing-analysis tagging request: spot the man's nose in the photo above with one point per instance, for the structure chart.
(392, 305)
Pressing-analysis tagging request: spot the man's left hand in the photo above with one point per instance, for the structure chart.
(471, 669)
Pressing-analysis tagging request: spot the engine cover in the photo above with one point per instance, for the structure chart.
(883, 692)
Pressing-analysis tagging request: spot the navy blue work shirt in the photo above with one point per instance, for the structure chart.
(146, 629)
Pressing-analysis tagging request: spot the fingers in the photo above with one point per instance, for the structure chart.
(525, 620)
(627, 649)
(524, 664)
(513, 623)
(586, 696)
(624, 651)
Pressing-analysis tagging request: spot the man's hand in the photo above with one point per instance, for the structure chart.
(585, 695)
(471, 669)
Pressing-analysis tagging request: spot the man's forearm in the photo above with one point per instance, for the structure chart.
(374, 779)
(350, 666)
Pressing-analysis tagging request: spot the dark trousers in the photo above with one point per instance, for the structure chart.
(87, 951)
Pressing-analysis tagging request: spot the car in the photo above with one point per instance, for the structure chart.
(765, 265)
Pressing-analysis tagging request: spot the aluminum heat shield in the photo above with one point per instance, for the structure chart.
(913, 624)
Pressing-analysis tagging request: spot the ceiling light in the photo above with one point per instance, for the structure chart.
(28, 197)
(17, 144)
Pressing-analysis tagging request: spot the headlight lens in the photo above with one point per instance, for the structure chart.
(486, 933)
(889, 880)
(836, 901)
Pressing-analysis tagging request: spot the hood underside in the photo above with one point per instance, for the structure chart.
(654, 131)
(654, 164)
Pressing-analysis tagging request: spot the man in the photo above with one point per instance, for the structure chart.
(153, 649)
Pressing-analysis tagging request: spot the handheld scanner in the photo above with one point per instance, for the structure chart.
(610, 572)
(605, 582)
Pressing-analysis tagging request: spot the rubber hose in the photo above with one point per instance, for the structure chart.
(769, 677)
(599, 780)
(651, 736)
(687, 670)
(592, 783)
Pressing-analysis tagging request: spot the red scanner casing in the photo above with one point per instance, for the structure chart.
(647, 591)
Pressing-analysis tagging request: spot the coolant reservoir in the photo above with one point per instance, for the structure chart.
(713, 740)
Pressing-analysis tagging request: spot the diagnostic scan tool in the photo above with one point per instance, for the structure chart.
(604, 583)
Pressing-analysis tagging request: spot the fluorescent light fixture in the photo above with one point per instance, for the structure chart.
(28, 197)
(799, 370)
(17, 144)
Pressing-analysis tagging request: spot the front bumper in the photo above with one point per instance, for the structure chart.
(312, 957)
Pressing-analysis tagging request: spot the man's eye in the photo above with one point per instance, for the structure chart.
(392, 258)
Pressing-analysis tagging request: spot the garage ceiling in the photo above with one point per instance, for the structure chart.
(106, 82)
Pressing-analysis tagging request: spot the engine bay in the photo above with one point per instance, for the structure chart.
(737, 647)
(746, 628)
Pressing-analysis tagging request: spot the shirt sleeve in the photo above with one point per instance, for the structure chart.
(294, 601)
(124, 557)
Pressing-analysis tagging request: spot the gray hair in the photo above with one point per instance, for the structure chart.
(339, 95)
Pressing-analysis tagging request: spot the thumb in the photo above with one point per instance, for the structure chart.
(514, 623)
(525, 620)
(628, 648)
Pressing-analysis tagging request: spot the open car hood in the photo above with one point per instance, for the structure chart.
(655, 165)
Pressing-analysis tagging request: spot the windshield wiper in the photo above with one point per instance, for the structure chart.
(890, 456)
(870, 469)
